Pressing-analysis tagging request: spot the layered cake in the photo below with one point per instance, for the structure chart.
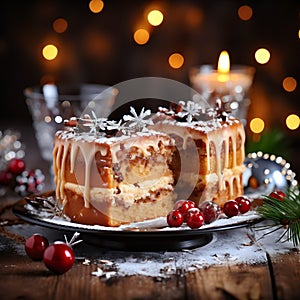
(111, 173)
(212, 143)
(113, 180)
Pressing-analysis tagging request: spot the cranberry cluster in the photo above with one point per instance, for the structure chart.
(23, 182)
(195, 217)
(58, 257)
(206, 212)
(239, 205)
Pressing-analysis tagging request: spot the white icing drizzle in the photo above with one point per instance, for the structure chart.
(69, 143)
(88, 156)
(73, 155)
(88, 146)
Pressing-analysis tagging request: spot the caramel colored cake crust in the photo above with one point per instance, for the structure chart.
(214, 149)
(216, 159)
(112, 181)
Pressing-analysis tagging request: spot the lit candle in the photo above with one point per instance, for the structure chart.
(233, 81)
(223, 66)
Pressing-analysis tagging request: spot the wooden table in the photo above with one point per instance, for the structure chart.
(275, 276)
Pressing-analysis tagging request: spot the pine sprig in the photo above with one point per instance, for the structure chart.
(285, 213)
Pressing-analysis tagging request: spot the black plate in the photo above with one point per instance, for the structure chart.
(135, 238)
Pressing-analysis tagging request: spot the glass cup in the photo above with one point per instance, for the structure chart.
(231, 89)
(51, 104)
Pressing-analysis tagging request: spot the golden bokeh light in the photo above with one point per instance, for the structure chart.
(50, 52)
(257, 125)
(262, 55)
(60, 25)
(155, 17)
(289, 84)
(176, 60)
(292, 122)
(141, 36)
(96, 6)
(245, 12)
(299, 33)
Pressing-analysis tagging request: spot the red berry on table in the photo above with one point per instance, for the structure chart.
(175, 218)
(231, 208)
(194, 218)
(5, 177)
(35, 246)
(59, 257)
(16, 166)
(279, 195)
(183, 206)
(244, 204)
(210, 210)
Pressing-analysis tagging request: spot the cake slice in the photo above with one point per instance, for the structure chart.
(208, 163)
(114, 180)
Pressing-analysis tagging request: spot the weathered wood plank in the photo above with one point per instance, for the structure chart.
(230, 282)
(286, 275)
(80, 284)
(21, 278)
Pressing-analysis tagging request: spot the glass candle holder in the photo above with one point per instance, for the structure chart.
(231, 88)
(50, 105)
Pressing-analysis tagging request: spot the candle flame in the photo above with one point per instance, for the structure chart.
(224, 62)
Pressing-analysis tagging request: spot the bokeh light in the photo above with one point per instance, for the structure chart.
(257, 125)
(47, 119)
(50, 52)
(176, 60)
(141, 36)
(58, 119)
(289, 84)
(155, 17)
(262, 55)
(292, 122)
(60, 25)
(245, 12)
(96, 6)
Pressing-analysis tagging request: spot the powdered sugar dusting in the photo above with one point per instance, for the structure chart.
(238, 246)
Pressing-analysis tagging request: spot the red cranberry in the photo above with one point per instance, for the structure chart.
(279, 195)
(194, 218)
(183, 206)
(175, 218)
(59, 257)
(35, 246)
(210, 210)
(243, 203)
(5, 177)
(231, 208)
(16, 166)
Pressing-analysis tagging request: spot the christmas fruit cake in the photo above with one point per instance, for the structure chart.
(213, 144)
(112, 174)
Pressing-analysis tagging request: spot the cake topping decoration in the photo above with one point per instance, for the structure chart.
(92, 125)
(192, 112)
(138, 122)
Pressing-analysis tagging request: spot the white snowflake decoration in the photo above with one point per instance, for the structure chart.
(95, 124)
(138, 122)
(190, 111)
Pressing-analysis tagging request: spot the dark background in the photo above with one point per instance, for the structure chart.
(99, 48)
